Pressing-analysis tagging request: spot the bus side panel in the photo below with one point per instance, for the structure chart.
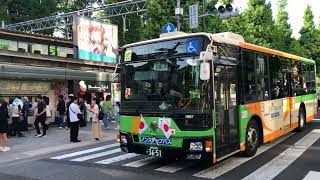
(310, 102)
(273, 115)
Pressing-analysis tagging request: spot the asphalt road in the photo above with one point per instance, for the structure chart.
(295, 156)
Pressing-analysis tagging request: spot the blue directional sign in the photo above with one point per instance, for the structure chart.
(168, 28)
(192, 46)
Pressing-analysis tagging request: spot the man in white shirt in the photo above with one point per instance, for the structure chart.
(74, 110)
(16, 113)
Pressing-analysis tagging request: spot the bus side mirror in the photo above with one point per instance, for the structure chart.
(205, 71)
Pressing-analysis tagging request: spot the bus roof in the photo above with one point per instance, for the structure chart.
(274, 52)
(225, 38)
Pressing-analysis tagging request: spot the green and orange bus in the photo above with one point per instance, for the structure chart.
(209, 96)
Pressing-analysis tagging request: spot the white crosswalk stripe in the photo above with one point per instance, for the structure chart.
(118, 158)
(283, 160)
(312, 175)
(86, 151)
(94, 156)
(171, 168)
(111, 154)
(233, 162)
(141, 162)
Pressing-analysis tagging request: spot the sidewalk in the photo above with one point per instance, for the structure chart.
(57, 140)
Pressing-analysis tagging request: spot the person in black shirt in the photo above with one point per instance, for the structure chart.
(40, 117)
(61, 109)
(4, 116)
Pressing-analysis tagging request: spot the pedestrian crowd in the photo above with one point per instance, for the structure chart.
(71, 115)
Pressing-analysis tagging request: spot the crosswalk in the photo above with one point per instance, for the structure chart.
(111, 155)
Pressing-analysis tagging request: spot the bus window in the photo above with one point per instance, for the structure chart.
(262, 77)
(249, 77)
(297, 80)
(312, 84)
(279, 77)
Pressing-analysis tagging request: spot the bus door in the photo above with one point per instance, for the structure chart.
(227, 129)
(287, 101)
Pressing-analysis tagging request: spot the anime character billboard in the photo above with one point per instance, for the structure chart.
(96, 41)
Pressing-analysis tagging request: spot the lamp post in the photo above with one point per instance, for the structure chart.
(179, 13)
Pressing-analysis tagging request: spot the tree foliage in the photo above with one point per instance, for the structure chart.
(283, 28)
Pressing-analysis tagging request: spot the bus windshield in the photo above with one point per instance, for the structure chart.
(165, 85)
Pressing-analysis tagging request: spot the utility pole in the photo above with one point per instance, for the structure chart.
(179, 13)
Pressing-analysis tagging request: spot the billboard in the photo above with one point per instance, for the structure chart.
(95, 40)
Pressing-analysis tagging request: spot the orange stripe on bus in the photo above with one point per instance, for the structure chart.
(135, 124)
(273, 135)
(242, 147)
(255, 108)
(310, 118)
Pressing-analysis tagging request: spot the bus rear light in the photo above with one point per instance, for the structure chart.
(208, 146)
(118, 137)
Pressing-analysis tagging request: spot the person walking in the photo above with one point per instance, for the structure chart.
(4, 126)
(25, 111)
(61, 109)
(40, 117)
(107, 111)
(16, 114)
(74, 111)
(96, 132)
(116, 112)
(46, 100)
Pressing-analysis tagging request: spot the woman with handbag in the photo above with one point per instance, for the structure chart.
(96, 123)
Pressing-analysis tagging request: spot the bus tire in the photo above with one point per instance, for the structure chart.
(301, 119)
(252, 139)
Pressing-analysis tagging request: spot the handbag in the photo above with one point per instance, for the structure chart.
(82, 121)
(100, 117)
(48, 112)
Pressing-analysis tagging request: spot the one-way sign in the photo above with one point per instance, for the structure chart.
(169, 27)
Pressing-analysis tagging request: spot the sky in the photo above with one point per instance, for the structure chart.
(295, 9)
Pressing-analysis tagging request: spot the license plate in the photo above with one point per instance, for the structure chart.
(154, 151)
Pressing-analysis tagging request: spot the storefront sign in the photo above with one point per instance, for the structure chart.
(23, 87)
(100, 88)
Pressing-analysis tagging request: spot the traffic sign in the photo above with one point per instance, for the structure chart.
(193, 13)
(169, 27)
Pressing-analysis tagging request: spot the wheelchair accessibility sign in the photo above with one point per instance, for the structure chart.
(192, 46)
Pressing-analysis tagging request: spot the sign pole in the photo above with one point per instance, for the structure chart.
(178, 14)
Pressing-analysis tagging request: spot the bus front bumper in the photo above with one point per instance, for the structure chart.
(130, 144)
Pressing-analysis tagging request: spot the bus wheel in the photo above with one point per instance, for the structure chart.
(302, 120)
(252, 139)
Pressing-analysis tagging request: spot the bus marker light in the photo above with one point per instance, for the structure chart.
(208, 146)
(118, 137)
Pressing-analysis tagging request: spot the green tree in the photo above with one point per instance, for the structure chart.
(310, 39)
(158, 14)
(283, 29)
(259, 25)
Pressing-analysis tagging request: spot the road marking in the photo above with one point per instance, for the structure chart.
(140, 162)
(118, 158)
(312, 175)
(86, 151)
(283, 160)
(233, 162)
(94, 156)
(171, 168)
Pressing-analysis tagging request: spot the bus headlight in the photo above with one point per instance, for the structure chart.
(123, 139)
(196, 146)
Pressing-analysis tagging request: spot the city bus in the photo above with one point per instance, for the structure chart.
(210, 96)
